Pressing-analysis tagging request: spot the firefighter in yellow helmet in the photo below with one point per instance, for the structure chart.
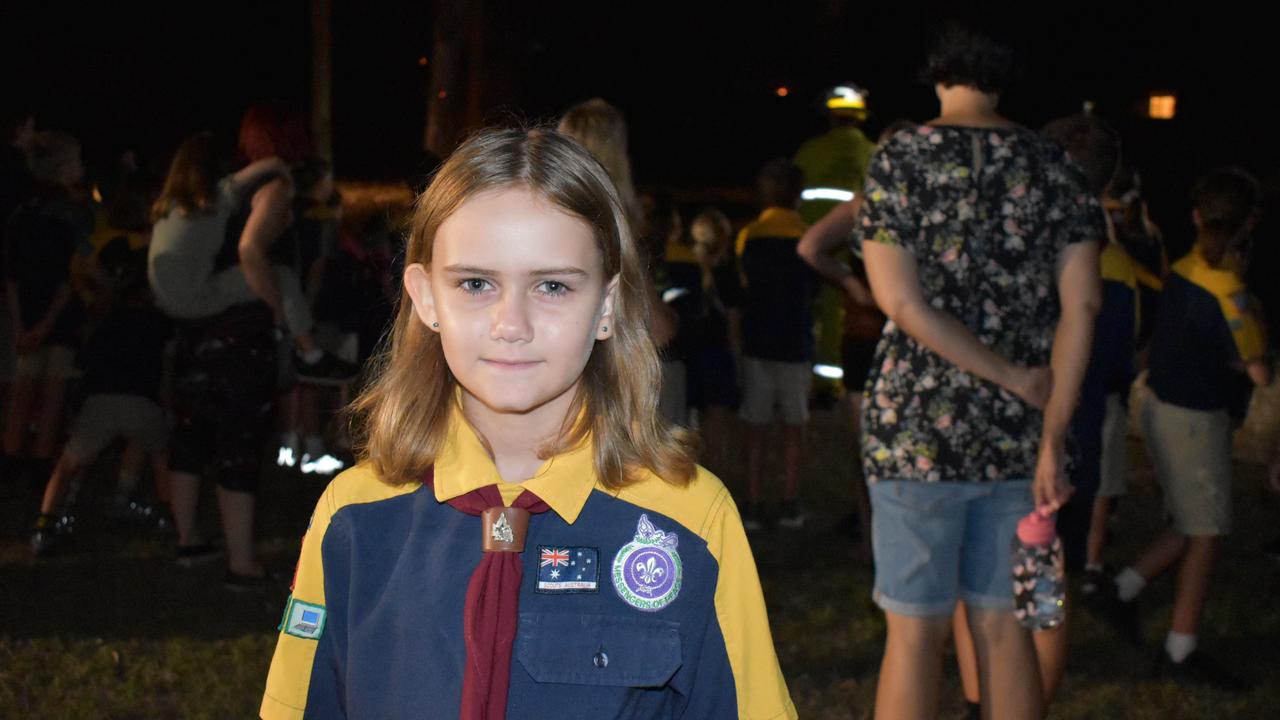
(834, 166)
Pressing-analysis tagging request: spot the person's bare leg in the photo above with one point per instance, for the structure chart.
(184, 490)
(160, 471)
(1192, 586)
(1051, 654)
(911, 671)
(715, 433)
(1161, 554)
(49, 420)
(308, 411)
(792, 449)
(1096, 543)
(966, 656)
(237, 526)
(861, 495)
(755, 456)
(1007, 670)
(59, 480)
(22, 393)
(131, 462)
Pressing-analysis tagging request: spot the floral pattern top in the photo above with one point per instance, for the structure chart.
(985, 213)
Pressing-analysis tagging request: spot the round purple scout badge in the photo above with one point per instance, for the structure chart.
(647, 570)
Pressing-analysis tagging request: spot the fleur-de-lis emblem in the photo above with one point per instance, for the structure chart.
(649, 571)
(501, 530)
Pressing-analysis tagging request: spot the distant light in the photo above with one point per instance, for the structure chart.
(827, 194)
(830, 372)
(442, 94)
(422, 61)
(97, 194)
(673, 294)
(1162, 106)
(285, 457)
(783, 91)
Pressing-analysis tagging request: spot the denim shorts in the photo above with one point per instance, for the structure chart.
(935, 543)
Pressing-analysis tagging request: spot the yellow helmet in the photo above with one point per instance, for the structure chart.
(847, 100)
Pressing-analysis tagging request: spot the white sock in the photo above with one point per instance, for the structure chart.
(312, 356)
(1179, 646)
(1129, 583)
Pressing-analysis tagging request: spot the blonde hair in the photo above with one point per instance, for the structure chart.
(602, 129)
(404, 414)
(190, 185)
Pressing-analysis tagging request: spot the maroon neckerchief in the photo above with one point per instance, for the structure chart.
(490, 617)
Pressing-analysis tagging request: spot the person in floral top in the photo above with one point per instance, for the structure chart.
(980, 240)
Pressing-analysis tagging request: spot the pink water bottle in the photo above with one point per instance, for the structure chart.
(1038, 583)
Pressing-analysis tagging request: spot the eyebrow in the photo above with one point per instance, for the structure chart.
(540, 272)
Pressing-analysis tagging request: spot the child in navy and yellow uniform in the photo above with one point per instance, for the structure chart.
(1207, 348)
(524, 537)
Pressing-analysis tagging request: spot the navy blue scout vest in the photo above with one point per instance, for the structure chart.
(624, 610)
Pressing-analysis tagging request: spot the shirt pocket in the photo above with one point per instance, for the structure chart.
(603, 650)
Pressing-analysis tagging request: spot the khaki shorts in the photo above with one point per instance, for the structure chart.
(769, 384)
(1115, 458)
(103, 418)
(1191, 452)
(52, 362)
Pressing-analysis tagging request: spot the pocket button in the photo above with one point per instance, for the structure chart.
(601, 660)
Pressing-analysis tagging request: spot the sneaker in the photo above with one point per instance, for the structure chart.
(327, 370)
(792, 516)
(1199, 668)
(325, 464)
(133, 510)
(1120, 615)
(192, 555)
(50, 533)
(751, 519)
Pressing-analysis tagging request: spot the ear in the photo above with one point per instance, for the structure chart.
(1195, 218)
(417, 282)
(605, 325)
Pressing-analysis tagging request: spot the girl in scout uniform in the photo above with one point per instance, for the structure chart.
(524, 538)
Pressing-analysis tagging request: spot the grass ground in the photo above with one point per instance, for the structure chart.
(112, 629)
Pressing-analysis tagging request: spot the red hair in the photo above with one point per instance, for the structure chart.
(274, 129)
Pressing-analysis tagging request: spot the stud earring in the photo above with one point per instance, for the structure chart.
(604, 328)
(435, 324)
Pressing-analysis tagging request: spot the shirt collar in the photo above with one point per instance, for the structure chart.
(463, 464)
(779, 213)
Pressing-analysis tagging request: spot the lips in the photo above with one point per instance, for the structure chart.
(509, 364)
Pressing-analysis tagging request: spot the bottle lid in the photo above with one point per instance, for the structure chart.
(1036, 528)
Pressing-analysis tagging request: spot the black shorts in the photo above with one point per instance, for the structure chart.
(224, 393)
(856, 356)
(712, 380)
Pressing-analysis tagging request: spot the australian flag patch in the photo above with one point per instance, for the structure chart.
(563, 570)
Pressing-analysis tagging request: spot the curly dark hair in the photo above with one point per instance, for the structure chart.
(964, 53)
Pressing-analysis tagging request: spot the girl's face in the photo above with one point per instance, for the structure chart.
(519, 293)
(707, 245)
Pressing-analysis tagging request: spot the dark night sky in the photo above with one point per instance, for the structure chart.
(696, 80)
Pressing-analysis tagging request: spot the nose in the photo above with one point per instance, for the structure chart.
(510, 321)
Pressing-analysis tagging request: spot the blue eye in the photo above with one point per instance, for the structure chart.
(554, 287)
(474, 286)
